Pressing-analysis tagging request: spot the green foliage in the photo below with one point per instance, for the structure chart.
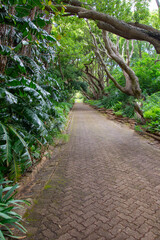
(97, 103)
(117, 106)
(5, 145)
(8, 216)
(119, 113)
(141, 10)
(63, 137)
(118, 101)
(117, 8)
(32, 109)
(147, 70)
(153, 113)
(47, 186)
(151, 110)
(138, 128)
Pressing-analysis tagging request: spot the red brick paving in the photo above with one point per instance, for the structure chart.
(107, 185)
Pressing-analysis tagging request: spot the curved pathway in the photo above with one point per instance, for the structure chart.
(106, 186)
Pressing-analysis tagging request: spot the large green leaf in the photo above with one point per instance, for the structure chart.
(28, 83)
(23, 144)
(2, 236)
(15, 168)
(5, 145)
(4, 50)
(30, 91)
(35, 120)
(7, 97)
(5, 216)
(19, 63)
(9, 193)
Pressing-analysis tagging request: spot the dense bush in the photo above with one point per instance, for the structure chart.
(33, 98)
(151, 108)
(116, 100)
(9, 219)
(147, 70)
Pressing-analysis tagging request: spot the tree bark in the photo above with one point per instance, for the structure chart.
(132, 87)
(158, 5)
(132, 83)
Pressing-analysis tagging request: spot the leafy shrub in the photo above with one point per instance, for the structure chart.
(118, 101)
(153, 126)
(153, 113)
(138, 128)
(31, 111)
(97, 103)
(9, 219)
(151, 108)
(128, 110)
(147, 70)
(117, 106)
(119, 113)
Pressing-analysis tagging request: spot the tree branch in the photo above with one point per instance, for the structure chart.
(103, 63)
(106, 22)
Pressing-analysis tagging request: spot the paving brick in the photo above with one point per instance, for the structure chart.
(106, 234)
(149, 236)
(89, 222)
(77, 226)
(66, 236)
(47, 233)
(105, 187)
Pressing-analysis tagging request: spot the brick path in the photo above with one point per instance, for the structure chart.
(107, 185)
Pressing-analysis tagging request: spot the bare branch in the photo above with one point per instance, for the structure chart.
(132, 83)
(117, 44)
(104, 49)
(132, 50)
(103, 63)
(123, 47)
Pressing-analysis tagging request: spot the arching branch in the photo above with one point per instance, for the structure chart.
(111, 24)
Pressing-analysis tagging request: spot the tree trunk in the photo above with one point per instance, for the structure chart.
(139, 112)
(158, 5)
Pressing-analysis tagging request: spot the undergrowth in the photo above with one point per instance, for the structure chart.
(125, 107)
